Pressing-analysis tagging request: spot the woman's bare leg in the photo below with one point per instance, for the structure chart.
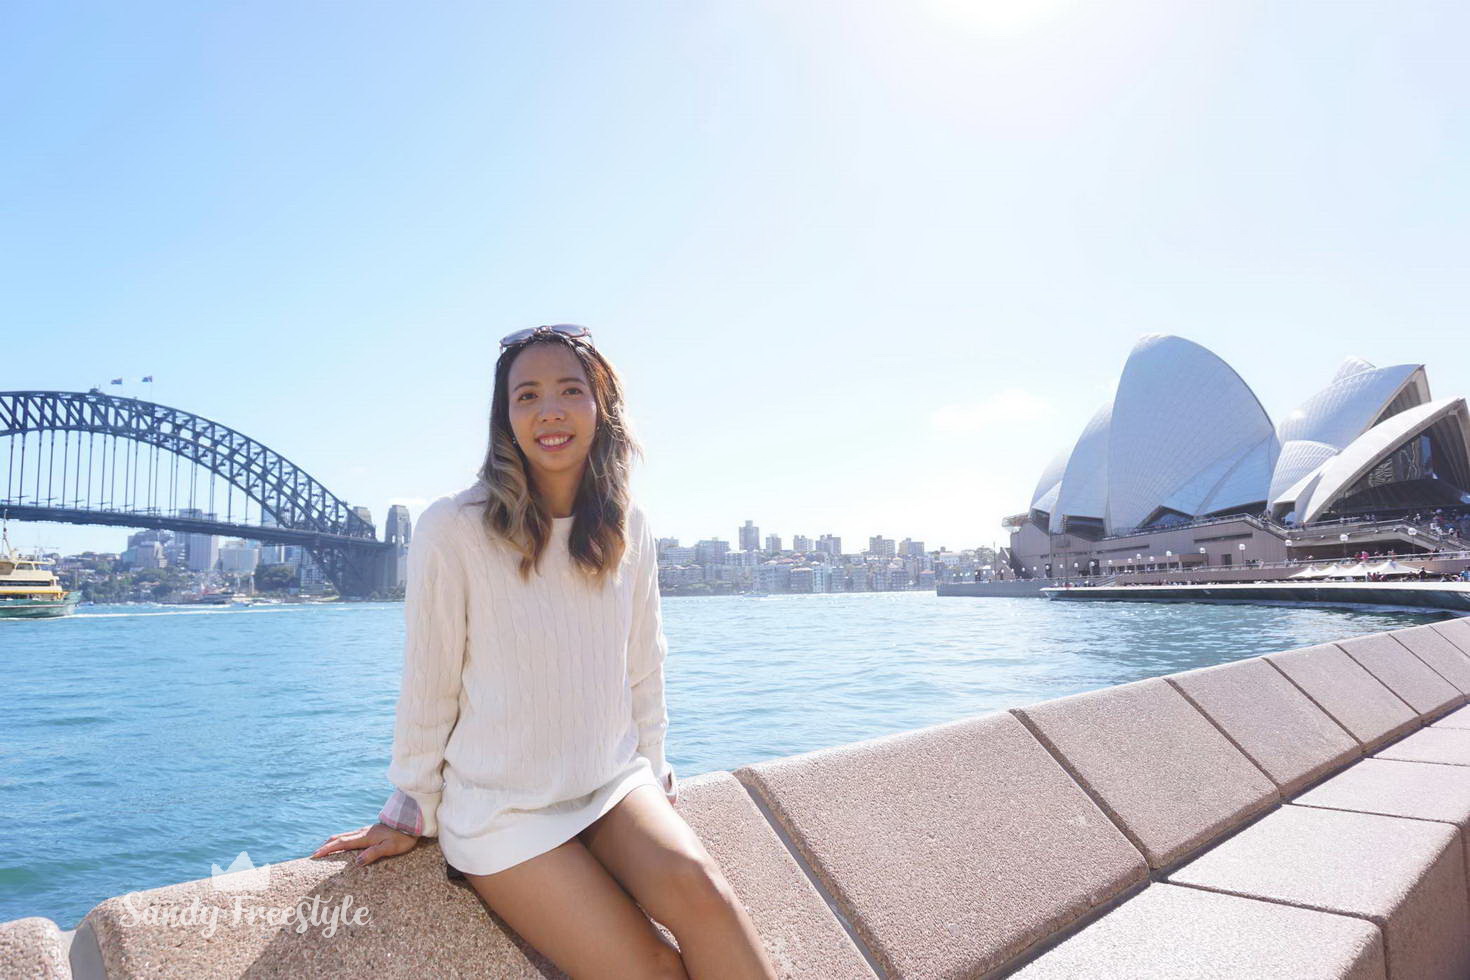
(660, 861)
(566, 905)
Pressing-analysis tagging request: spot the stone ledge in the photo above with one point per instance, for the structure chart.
(950, 849)
(1162, 770)
(34, 948)
(1424, 690)
(1408, 876)
(1270, 720)
(1348, 693)
(1174, 931)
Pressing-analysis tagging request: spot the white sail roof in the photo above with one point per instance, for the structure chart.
(1339, 474)
(1326, 423)
(1180, 411)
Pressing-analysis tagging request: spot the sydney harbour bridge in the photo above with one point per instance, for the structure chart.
(91, 458)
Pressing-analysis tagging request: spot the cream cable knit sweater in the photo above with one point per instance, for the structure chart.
(528, 708)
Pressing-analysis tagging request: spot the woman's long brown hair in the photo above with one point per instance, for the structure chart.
(516, 515)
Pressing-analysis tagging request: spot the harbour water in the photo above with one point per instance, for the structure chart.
(142, 744)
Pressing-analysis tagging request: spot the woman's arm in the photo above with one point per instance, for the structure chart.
(647, 649)
(435, 618)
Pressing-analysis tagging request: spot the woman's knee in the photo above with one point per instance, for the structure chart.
(693, 885)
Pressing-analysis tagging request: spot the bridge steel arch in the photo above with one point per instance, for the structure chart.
(309, 514)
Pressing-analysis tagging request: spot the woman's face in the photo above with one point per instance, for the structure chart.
(549, 400)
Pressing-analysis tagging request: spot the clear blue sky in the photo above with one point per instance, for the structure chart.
(863, 266)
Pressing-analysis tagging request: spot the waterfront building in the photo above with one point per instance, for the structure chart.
(750, 537)
(239, 557)
(1182, 467)
(144, 554)
(711, 551)
(830, 544)
(676, 555)
(882, 547)
(201, 551)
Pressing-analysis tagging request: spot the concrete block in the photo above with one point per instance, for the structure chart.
(1158, 766)
(1173, 931)
(802, 935)
(1408, 876)
(1403, 673)
(33, 948)
(1347, 692)
(421, 924)
(417, 924)
(1455, 719)
(1270, 720)
(950, 849)
(1450, 746)
(1431, 646)
(1398, 789)
(1457, 631)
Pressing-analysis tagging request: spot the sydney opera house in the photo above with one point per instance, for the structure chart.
(1183, 467)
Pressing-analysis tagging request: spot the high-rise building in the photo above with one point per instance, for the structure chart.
(271, 554)
(239, 557)
(881, 547)
(773, 543)
(711, 551)
(801, 543)
(831, 544)
(750, 537)
(201, 551)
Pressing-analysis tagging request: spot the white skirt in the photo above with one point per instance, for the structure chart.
(530, 832)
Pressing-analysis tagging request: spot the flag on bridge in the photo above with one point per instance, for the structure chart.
(117, 381)
(148, 378)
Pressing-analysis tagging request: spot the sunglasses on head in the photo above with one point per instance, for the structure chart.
(571, 330)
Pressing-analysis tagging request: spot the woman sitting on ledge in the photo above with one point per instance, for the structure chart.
(529, 735)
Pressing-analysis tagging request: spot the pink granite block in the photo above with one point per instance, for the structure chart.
(1450, 746)
(1173, 931)
(1455, 719)
(1341, 687)
(1398, 789)
(1457, 631)
(1157, 765)
(1408, 876)
(1430, 646)
(1270, 720)
(802, 936)
(1403, 673)
(950, 849)
(419, 924)
(33, 948)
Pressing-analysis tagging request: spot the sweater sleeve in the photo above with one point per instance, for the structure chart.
(647, 649)
(435, 619)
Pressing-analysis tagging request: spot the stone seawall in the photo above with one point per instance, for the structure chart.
(1301, 813)
(1451, 596)
(996, 590)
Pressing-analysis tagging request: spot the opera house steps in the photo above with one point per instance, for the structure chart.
(1297, 813)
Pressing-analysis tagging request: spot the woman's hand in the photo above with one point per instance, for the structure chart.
(377, 841)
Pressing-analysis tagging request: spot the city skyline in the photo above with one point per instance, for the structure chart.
(856, 274)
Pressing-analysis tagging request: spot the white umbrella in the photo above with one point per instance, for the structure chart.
(1392, 567)
(1359, 570)
(1311, 571)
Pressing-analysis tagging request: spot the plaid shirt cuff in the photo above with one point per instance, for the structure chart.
(403, 814)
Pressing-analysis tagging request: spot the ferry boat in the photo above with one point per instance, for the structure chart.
(28, 588)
